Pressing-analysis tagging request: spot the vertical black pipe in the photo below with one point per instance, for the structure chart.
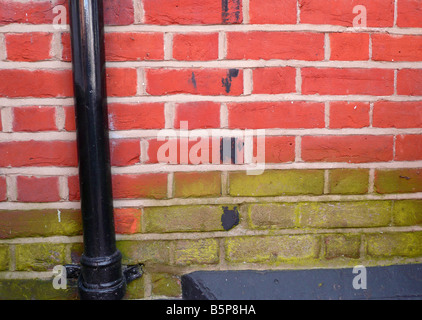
(101, 270)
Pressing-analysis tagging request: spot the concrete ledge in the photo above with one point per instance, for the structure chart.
(401, 282)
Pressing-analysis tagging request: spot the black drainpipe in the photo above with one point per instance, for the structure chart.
(101, 275)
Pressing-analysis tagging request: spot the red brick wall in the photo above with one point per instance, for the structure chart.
(340, 102)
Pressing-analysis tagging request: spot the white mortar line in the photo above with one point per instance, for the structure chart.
(71, 136)
(23, 28)
(138, 203)
(245, 12)
(219, 64)
(159, 168)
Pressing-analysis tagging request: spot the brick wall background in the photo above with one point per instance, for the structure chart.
(342, 109)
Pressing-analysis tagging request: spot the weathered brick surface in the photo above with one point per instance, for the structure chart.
(272, 183)
(39, 256)
(403, 244)
(345, 214)
(335, 87)
(342, 246)
(271, 249)
(183, 218)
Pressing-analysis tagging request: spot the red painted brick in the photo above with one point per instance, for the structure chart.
(199, 115)
(166, 12)
(409, 13)
(136, 116)
(38, 153)
(194, 81)
(391, 114)
(118, 12)
(275, 45)
(38, 189)
(123, 46)
(386, 47)
(73, 186)
(408, 148)
(347, 81)
(195, 46)
(34, 119)
(193, 154)
(69, 122)
(352, 149)
(125, 152)
(380, 13)
(33, 46)
(121, 82)
(30, 12)
(128, 186)
(39, 83)
(272, 12)
(3, 189)
(66, 47)
(349, 115)
(349, 46)
(127, 220)
(274, 80)
(278, 149)
(409, 82)
(283, 115)
(140, 186)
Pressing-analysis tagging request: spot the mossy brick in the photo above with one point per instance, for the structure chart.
(196, 252)
(39, 256)
(277, 183)
(39, 223)
(148, 252)
(36, 289)
(398, 244)
(183, 218)
(76, 251)
(272, 216)
(4, 257)
(272, 249)
(196, 184)
(164, 284)
(356, 214)
(398, 181)
(342, 246)
(348, 181)
(135, 289)
(407, 212)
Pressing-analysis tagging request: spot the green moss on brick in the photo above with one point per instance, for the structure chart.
(349, 181)
(342, 246)
(36, 289)
(183, 218)
(277, 183)
(357, 214)
(4, 257)
(39, 256)
(39, 223)
(197, 184)
(272, 216)
(272, 249)
(76, 251)
(134, 252)
(201, 251)
(407, 212)
(399, 244)
(135, 289)
(164, 284)
(398, 181)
